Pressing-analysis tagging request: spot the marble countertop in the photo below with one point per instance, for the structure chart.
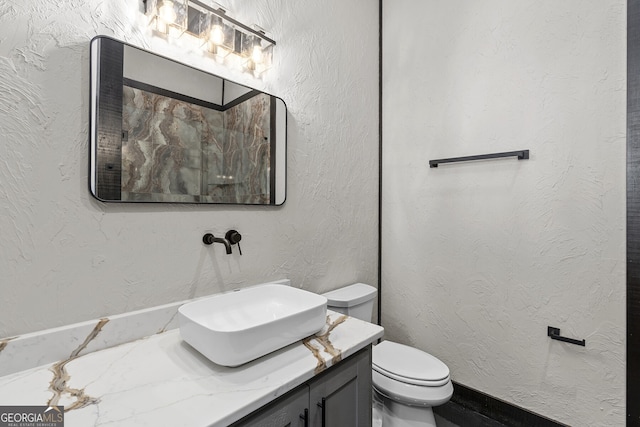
(161, 380)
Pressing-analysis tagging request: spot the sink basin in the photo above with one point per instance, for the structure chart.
(236, 327)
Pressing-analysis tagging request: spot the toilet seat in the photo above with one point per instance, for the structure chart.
(412, 381)
(409, 394)
(409, 365)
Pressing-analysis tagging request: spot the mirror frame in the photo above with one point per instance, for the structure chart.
(106, 133)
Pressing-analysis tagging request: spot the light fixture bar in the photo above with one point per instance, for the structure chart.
(224, 16)
(221, 37)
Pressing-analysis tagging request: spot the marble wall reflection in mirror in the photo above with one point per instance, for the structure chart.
(162, 131)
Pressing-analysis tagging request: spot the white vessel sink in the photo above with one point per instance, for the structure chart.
(236, 327)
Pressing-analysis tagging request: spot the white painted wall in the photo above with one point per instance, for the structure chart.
(65, 257)
(479, 258)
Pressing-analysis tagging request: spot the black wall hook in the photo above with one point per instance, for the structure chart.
(554, 334)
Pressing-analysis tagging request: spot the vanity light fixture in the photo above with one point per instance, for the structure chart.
(169, 17)
(220, 36)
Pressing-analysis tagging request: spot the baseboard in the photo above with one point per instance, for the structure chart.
(493, 408)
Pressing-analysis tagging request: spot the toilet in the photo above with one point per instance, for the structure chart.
(407, 382)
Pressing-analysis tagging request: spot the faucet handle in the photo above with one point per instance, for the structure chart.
(234, 238)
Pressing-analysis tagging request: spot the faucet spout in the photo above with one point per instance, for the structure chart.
(209, 239)
(225, 242)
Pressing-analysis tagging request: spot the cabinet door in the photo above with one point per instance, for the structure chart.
(287, 411)
(341, 396)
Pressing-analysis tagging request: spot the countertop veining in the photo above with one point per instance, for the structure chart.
(161, 380)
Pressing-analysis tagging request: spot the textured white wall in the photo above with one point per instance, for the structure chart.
(479, 258)
(65, 257)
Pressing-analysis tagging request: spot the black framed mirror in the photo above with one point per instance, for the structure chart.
(162, 131)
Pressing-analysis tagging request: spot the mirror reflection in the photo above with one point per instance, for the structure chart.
(165, 132)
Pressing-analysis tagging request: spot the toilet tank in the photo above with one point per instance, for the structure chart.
(354, 300)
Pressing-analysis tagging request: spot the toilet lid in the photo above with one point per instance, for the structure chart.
(351, 295)
(408, 364)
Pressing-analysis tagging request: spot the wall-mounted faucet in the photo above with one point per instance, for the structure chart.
(209, 239)
(232, 237)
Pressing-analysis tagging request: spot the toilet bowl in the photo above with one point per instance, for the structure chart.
(407, 382)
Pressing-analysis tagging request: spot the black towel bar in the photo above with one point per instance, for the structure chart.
(521, 155)
(554, 334)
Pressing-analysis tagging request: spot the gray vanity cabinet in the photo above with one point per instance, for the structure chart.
(338, 397)
(343, 393)
(287, 411)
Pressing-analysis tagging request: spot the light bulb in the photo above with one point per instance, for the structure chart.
(216, 35)
(256, 54)
(166, 12)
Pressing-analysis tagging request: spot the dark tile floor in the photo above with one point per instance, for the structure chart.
(452, 414)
